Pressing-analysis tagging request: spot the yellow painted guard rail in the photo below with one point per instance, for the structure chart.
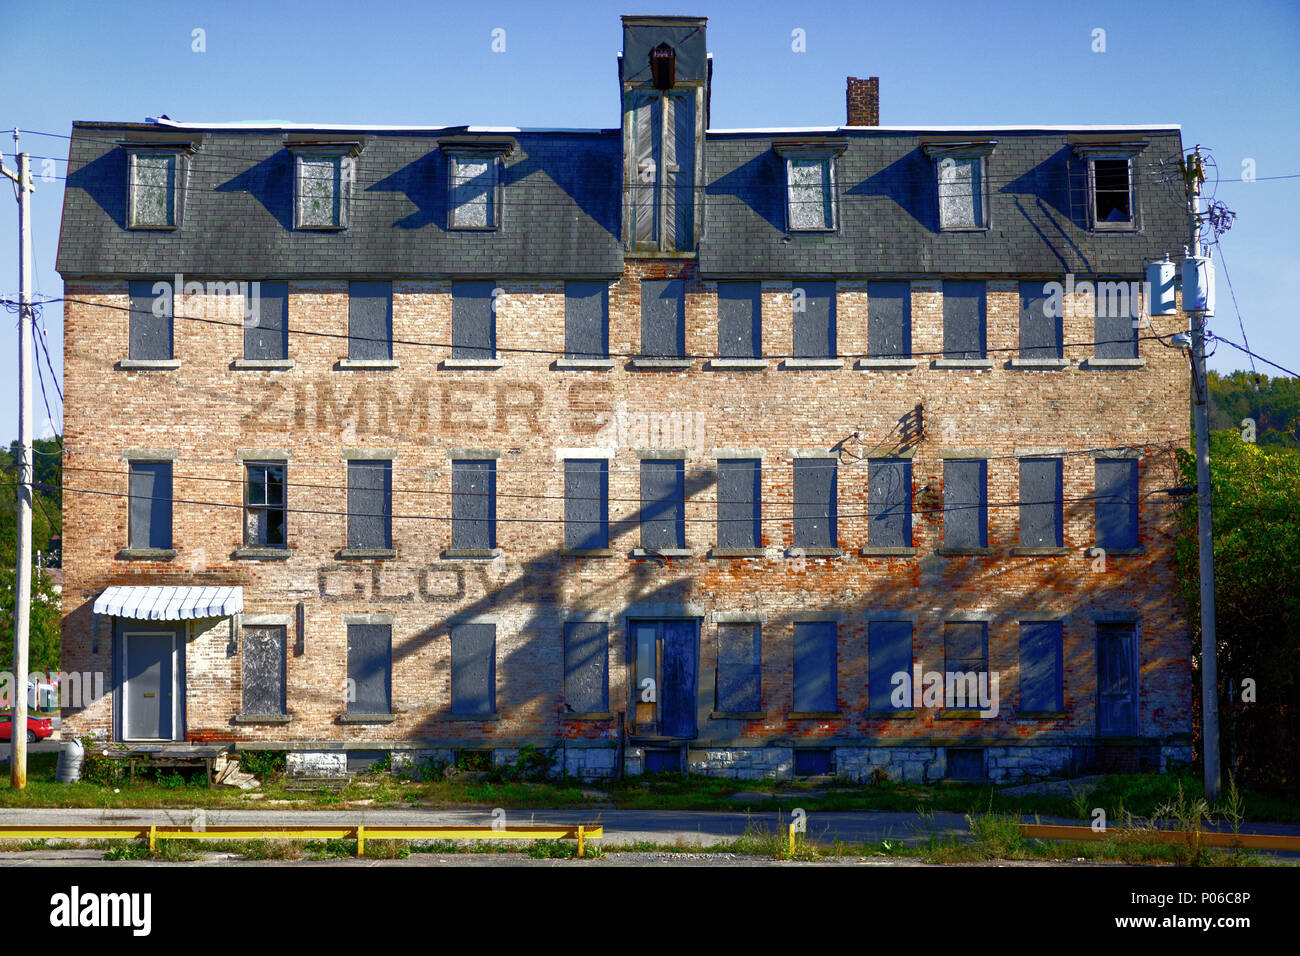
(1248, 841)
(359, 832)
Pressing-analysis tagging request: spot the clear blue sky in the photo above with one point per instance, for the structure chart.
(1228, 73)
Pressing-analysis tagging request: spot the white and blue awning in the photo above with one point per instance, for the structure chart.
(169, 603)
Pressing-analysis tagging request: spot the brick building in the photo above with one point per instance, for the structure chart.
(693, 448)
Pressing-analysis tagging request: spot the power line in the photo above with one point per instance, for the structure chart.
(1241, 348)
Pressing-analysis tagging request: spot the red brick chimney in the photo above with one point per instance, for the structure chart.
(863, 98)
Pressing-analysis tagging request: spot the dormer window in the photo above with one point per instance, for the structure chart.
(323, 173)
(810, 177)
(1112, 192)
(156, 173)
(961, 173)
(474, 190)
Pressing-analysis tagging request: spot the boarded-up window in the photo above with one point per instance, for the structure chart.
(740, 320)
(370, 320)
(889, 319)
(150, 504)
(739, 520)
(815, 504)
(663, 318)
(964, 319)
(662, 180)
(1116, 508)
(370, 504)
(586, 666)
(965, 652)
(474, 179)
(889, 502)
(586, 320)
(473, 320)
(663, 504)
(150, 328)
(814, 319)
(267, 337)
(586, 504)
(370, 660)
(473, 669)
(322, 192)
(889, 653)
(961, 192)
(811, 192)
(156, 189)
(264, 510)
(1116, 306)
(740, 668)
(1040, 503)
(474, 504)
(965, 503)
(1041, 672)
(814, 666)
(1041, 315)
(263, 670)
(1117, 682)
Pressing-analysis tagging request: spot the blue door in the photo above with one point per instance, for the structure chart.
(666, 658)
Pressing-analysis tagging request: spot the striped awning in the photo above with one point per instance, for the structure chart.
(170, 603)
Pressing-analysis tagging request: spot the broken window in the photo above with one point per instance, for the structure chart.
(264, 670)
(740, 665)
(1041, 673)
(586, 667)
(811, 193)
(264, 509)
(961, 192)
(815, 667)
(1112, 192)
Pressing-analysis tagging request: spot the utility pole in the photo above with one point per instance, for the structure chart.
(1205, 527)
(23, 566)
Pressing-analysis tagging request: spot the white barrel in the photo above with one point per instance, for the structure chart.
(1160, 288)
(1198, 285)
(71, 756)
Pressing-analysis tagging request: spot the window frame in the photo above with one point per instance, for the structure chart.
(1130, 504)
(133, 293)
(604, 631)
(751, 668)
(832, 629)
(1057, 503)
(344, 159)
(801, 521)
(982, 517)
(488, 466)
(281, 708)
(602, 470)
(180, 172)
(755, 518)
(949, 152)
(463, 155)
(826, 153)
(677, 504)
(283, 507)
(1091, 153)
(148, 544)
(364, 464)
(454, 707)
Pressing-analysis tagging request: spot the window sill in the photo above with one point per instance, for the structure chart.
(1041, 714)
(961, 552)
(738, 363)
(1121, 552)
(1113, 363)
(738, 715)
(661, 363)
(1040, 552)
(955, 714)
(867, 364)
(361, 554)
(805, 363)
(147, 554)
(133, 365)
(888, 552)
(262, 718)
(492, 716)
(962, 363)
(602, 365)
(346, 364)
(814, 715)
(468, 363)
(1114, 227)
(738, 553)
(587, 552)
(341, 227)
(1052, 364)
(153, 227)
(263, 554)
(471, 554)
(261, 364)
(814, 553)
(892, 714)
(367, 718)
(661, 553)
(588, 715)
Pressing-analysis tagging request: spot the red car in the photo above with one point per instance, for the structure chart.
(38, 728)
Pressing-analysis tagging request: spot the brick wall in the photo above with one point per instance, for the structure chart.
(528, 409)
(863, 98)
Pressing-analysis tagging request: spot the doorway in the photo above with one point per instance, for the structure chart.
(149, 691)
(665, 657)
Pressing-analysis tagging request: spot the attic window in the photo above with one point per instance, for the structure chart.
(323, 174)
(810, 177)
(1112, 192)
(961, 171)
(157, 181)
(474, 182)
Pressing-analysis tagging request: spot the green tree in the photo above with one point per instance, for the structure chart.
(1273, 404)
(1257, 600)
(44, 641)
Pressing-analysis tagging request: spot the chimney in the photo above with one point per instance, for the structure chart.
(863, 98)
